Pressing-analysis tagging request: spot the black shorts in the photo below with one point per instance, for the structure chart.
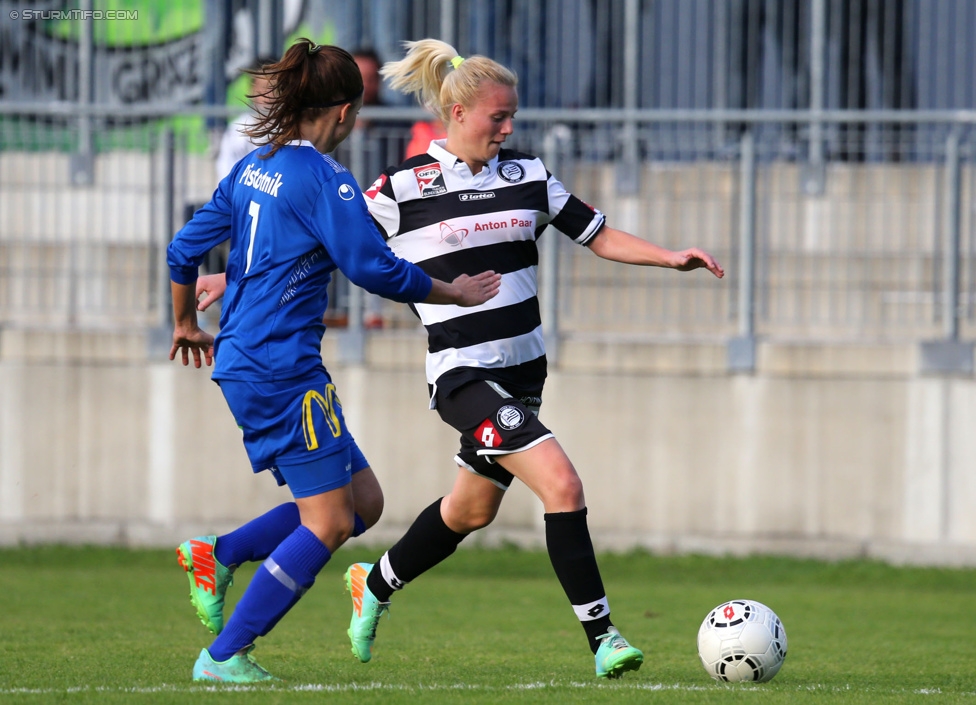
(492, 422)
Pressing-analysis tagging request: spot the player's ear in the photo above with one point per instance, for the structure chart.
(457, 112)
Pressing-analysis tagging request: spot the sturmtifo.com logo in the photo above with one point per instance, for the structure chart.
(31, 14)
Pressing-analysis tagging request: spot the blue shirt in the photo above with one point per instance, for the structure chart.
(291, 219)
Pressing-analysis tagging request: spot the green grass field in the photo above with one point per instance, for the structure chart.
(99, 625)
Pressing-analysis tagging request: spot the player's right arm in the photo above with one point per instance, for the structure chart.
(209, 227)
(463, 291)
(361, 253)
(188, 337)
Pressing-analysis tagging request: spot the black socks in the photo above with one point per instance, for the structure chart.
(427, 542)
(573, 559)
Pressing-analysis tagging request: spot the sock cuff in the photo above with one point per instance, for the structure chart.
(431, 516)
(302, 556)
(565, 516)
(358, 526)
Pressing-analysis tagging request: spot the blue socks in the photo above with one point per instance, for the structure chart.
(277, 585)
(259, 537)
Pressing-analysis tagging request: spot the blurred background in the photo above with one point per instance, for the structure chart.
(817, 401)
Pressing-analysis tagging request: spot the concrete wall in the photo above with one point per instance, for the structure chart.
(825, 451)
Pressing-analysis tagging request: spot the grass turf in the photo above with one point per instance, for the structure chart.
(87, 625)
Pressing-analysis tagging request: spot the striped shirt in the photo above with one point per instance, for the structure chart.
(435, 213)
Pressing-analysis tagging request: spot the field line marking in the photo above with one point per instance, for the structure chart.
(536, 685)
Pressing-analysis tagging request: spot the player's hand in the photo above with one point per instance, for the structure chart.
(473, 291)
(694, 258)
(211, 287)
(193, 340)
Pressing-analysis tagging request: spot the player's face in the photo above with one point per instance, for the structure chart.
(484, 126)
(261, 90)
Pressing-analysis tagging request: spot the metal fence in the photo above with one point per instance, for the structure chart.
(821, 149)
(663, 54)
(856, 249)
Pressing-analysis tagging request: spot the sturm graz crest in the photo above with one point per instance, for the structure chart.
(512, 172)
(510, 417)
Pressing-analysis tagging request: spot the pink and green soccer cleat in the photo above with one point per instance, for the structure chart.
(239, 668)
(209, 580)
(366, 611)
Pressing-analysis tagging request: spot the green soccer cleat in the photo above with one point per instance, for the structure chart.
(366, 611)
(615, 656)
(239, 668)
(209, 580)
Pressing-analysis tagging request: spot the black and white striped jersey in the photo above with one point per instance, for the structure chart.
(435, 213)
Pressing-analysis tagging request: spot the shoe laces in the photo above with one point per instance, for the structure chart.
(246, 651)
(614, 640)
(382, 608)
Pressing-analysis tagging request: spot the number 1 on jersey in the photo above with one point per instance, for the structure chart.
(253, 210)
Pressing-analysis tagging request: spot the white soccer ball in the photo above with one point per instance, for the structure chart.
(742, 640)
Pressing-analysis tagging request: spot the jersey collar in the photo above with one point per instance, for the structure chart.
(439, 151)
(300, 143)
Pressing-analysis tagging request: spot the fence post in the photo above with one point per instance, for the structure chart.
(352, 341)
(628, 166)
(268, 29)
(82, 160)
(160, 336)
(448, 20)
(813, 174)
(554, 146)
(742, 348)
(950, 355)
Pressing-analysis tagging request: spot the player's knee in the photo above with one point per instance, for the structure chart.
(566, 493)
(370, 509)
(368, 497)
(334, 531)
(464, 520)
(571, 492)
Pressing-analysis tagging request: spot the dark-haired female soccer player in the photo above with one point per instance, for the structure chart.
(293, 215)
(464, 206)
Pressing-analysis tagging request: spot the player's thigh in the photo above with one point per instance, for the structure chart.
(493, 422)
(549, 473)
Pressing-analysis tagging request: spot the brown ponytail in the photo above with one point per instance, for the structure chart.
(308, 79)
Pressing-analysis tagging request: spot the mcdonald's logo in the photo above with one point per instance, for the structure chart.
(328, 405)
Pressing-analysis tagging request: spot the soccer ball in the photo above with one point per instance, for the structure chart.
(742, 640)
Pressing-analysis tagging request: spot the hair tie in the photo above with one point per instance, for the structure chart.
(314, 49)
(456, 61)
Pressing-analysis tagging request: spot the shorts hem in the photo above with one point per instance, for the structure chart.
(469, 468)
(527, 446)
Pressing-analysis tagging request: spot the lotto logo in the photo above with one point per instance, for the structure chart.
(487, 435)
(377, 186)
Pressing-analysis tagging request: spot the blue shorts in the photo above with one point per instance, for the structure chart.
(296, 430)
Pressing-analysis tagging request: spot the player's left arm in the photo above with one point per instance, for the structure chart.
(619, 246)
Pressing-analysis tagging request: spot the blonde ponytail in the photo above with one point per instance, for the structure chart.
(433, 71)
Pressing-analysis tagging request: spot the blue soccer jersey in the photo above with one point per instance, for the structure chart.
(292, 219)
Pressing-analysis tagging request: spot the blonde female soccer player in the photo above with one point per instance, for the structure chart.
(466, 205)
